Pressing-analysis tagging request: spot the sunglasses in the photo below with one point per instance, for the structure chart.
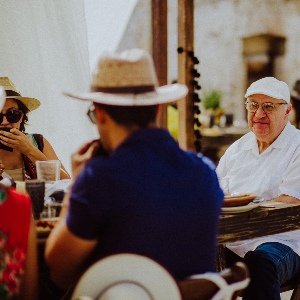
(12, 116)
(91, 114)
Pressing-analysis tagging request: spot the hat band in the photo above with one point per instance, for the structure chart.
(125, 90)
(10, 93)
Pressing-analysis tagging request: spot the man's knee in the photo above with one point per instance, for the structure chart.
(259, 261)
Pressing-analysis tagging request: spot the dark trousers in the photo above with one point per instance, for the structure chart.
(270, 265)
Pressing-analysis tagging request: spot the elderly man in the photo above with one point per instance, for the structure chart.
(137, 192)
(266, 162)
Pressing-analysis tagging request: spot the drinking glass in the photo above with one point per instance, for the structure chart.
(48, 170)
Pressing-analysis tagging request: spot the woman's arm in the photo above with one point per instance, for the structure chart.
(29, 287)
(50, 154)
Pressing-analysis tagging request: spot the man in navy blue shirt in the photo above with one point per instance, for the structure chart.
(135, 191)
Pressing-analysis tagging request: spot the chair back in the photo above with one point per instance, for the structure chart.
(226, 285)
(127, 276)
(294, 285)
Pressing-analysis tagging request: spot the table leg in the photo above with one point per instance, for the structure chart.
(220, 260)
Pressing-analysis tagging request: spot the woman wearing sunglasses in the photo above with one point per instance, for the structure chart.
(19, 151)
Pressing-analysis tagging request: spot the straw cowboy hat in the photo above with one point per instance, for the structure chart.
(129, 79)
(127, 276)
(12, 92)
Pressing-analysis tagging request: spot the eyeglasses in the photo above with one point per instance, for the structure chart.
(12, 116)
(91, 114)
(267, 107)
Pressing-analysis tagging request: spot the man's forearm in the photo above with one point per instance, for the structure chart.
(286, 199)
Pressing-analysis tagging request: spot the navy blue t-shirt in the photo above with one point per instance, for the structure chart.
(151, 198)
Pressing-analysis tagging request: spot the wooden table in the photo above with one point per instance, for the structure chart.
(241, 226)
(256, 223)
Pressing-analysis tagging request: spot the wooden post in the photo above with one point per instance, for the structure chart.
(185, 106)
(160, 48)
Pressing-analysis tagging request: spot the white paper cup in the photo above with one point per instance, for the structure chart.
(48, 170)
(20, 187)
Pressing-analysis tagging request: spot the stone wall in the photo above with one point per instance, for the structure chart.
(220, 28)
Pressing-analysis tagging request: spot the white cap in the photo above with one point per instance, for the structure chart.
(271, 87)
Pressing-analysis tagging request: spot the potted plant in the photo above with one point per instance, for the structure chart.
(212, 104)
(212, 99)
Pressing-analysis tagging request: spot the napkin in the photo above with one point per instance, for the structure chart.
(55, 191)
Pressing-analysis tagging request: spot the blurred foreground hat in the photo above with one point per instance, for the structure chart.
(127, 276)
(271, 87)
(129, 79)
(12, 92)
(295, 93)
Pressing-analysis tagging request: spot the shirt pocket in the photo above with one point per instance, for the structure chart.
(271, 186)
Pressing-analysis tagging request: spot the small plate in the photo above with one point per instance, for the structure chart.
(44, 226)
(237, 199)
(235, 195)
(238, 209)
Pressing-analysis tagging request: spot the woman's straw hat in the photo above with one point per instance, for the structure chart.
(127, 276)
(129, 79)
(12, 92)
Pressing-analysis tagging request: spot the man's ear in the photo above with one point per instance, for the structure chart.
(159, 111)
(289, 109)
(101, 115)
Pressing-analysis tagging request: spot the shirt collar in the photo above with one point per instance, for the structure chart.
(280, 142)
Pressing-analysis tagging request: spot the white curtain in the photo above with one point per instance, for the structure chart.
(47, 47)
(44, 50)
(107, 21)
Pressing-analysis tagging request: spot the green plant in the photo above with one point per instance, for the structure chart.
(212, 99)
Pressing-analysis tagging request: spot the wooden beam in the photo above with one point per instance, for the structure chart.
(160, 48)
(185, 106)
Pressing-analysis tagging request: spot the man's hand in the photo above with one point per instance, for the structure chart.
(79, 158)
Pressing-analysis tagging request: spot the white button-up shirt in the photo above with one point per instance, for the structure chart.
(274, 172)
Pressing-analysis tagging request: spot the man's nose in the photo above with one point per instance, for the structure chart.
(260, 112)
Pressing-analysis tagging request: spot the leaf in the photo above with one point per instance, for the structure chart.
(212, 99)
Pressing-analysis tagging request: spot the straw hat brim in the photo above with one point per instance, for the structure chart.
(30, 103)
(127, 268)
(162, 94)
